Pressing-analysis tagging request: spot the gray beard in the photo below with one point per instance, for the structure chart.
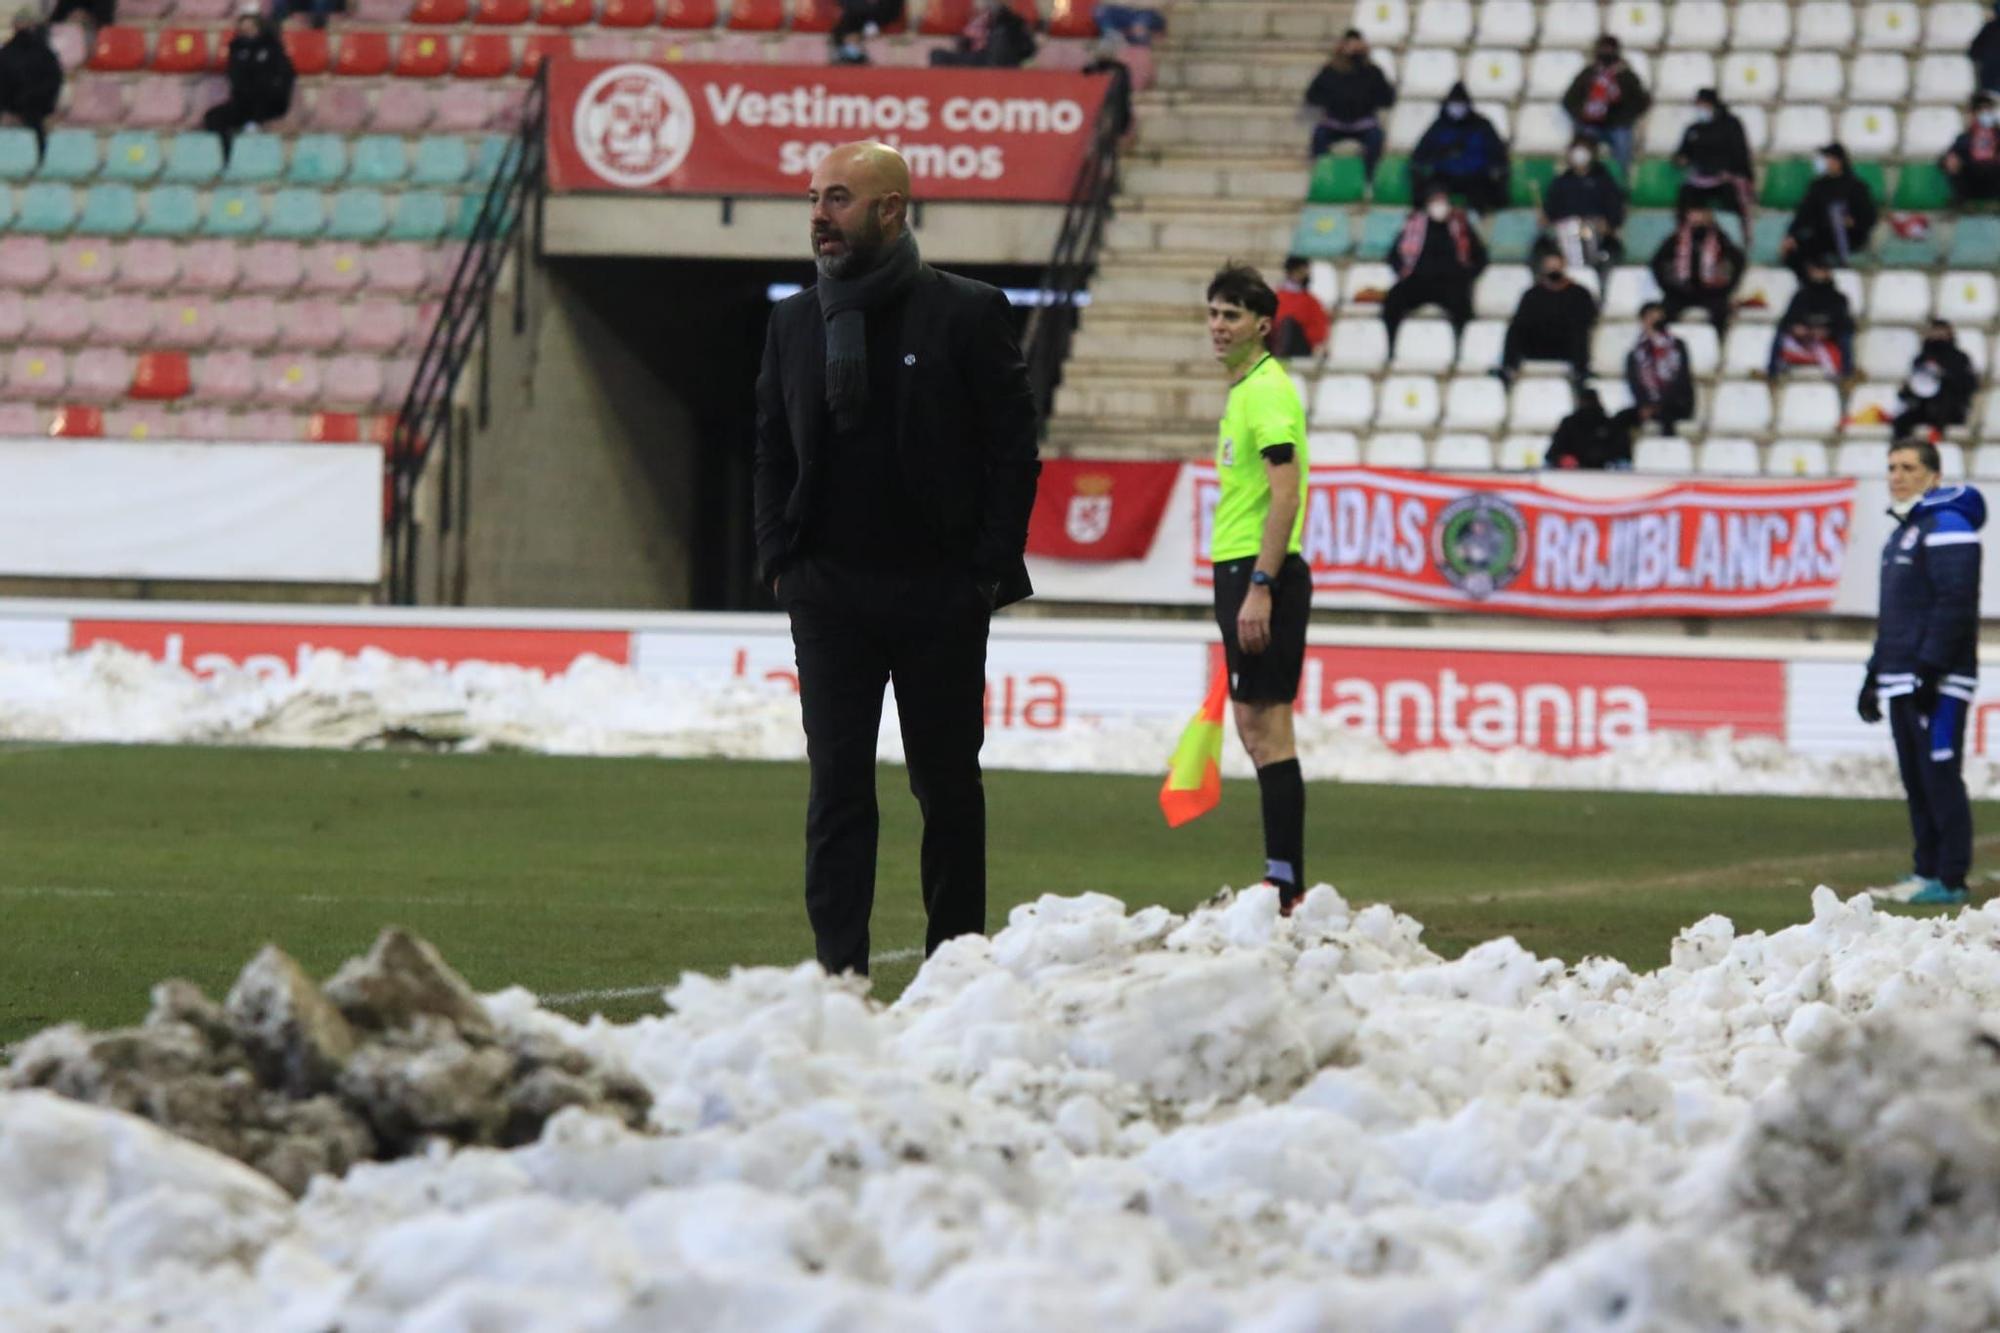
(856, 261)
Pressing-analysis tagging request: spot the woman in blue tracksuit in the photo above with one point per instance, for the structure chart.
(1925, 666)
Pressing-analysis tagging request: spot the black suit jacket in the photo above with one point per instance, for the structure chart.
(965, 437)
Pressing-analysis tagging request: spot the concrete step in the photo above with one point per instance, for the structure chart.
(1257, 129)
(1163, 397)
(1278, 72)
(1176, 351)
(1215, 177)
(1239, 20)
(1144, 235)
(1169, 283)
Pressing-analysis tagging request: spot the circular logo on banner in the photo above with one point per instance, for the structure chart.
(1480, 544)
(634, 125)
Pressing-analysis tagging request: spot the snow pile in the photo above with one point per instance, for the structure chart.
(600, 708)
(1145, 1122)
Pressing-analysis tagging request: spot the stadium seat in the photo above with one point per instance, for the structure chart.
(1898, 296)
(1425, 346)
(1407, 402)
(1507, 23)
(1814, 76)
(1951, 460)
(1537, 405)
(376, 327)
(59, 317)
(1968, 298)
(1443, 23)
(1750, 76)
(133, 156)
(143, 265)
(1975, 243)
(333, 428)
(1475, 403)
(1656, 184)
(1343, 400)
(403, 108)
(18, 152)
(45, 208)
(1796, 458)
(181, 51)
(1572, 23)
(1333, 448)
(440, 161)
(1462, 453)
(1663, 455)
(1800, 129)
(1379, 229)
(1945, 79)
(37, 373)
(769, 16)
(1681, 75)
(119, 50)
(692, 13)
(1882, 354)
(1764, 293)
(1824, 25)
(109, 210)
(1986, 462)
(340, 109)
(171, 210)
(307, 48)
(234, 212)
(1760, 25)
(1542, 127)
(810, 16)
(429, 12)
(334, 269)
(85, 263)
(125, 321)
(138, 423)
(160, 102)
(224, 377)
(1337, 178)
(1392, 181)
(421, 215)
(1638, 24)
(71, 155)
(258, 159)
(396, 269)
(1322, 232)
(1860, 458)
(464, 109)
(1513, 236)
(77, 421)
(357, 215)
(1499, 290)
(628, 14)
(1871, 407)
(1494, 75)
(1785, 183)
(1359, 342)
(97, 102)
(1879, 77)
(1894, 26)
(1520, 453)
(317, 160)
(1870, 131)
(1529, 180)
(161, 375)
(542, 46)
(1927, 132)
(25, 261)
(1393, 449)
(1645, 232)
(1550, 73)
(1740, 408)
(1808, 407)
(377, 159)
(1428, 73)
(1722, 456)
(296, 214)
(1951, 25)
(1922, 187)
(422, 55)
(192, 158)
(204, 266)
(293, 381)
(1383, 22)
(484, 55)
(187, 322)
(362, 55)
(252, 324)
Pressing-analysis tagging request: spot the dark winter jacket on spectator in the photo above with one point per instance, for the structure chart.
(1549, 314)
(31, 76)
(1591, 438)
(1660, 376)
(1593, 194)
(1812, 224)
(1985, 53)
(260, 75)
(1715, 148)
(1449, 250)
(1946, 365)
(1611, 97)
(1698, 260)
(1820, 305)
(1465, 146)
(1352, 94)
(1929, 615)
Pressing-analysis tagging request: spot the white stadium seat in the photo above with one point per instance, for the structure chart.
(1425, 345)
(1952, 24)
(1500, 114)
(1986, 463)
(1496, 74)
(1798, 130)
(1929, 130)
(1792, 458)
(1900, 296)
(1639, 25)
(1325, 283)
(1333, 448)
(1407, 122)
(1951, 460)
(1443, 23)
(1879, 77)
(1662, 455)
(1808, 408)
(1870, 131)
(1760, 25)
(1521, 452)
(1880, 396)
(1704, 348)
(1507, 23)
(1474, 403)
(1393, 449)
(1302, 382)
(1358, 342)
(1428, 73)
(1891, 25)
(1630, 287)
(1570, 23)
(1538, 404)
(1850, 284)
(1407, 402)
(1747, 351)
(1861, 458)
(1945, 79)
(1824, 25)
(1609, 342)
(1730, 456)
(1479, 348)
(1544, 128)
(1750, 76)
(1615, 395)
(1775, 285)
(1885, 353)
(1362, 278)
(1499, 289)
(1740, 408)
(1682, 75)
(1383, 22)
(1967, 298)
(1390, 61)
(1343, 400)
(1550, 72)
(1756, 126)
(1814, 76)
(1664, 126)
(1974, 347)
(1462, 453)
(1989, 420)
(1698, 25)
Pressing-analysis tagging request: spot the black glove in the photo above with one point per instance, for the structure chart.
(1927, 686)
(1868, 706)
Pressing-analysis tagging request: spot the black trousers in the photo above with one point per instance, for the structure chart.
(856, 631)
(1930, 754)
(1718, 304)
(1454, 295)
(1544, 344)
(855, 15)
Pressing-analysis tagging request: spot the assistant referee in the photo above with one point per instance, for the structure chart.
(1263, 588)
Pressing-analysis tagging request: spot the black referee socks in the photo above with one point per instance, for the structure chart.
(1283, 789)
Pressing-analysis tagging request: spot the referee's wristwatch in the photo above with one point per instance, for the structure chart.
(1259, 579)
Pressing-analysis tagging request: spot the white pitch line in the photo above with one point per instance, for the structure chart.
(565, 999)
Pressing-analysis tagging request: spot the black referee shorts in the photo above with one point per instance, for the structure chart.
(1272, 676)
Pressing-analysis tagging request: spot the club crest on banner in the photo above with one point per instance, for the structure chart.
(1480, 544)
(634, 125)
(1089, 515)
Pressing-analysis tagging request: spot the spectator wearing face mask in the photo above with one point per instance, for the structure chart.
(1582, 211)
(1714, 158)
(1985, 53)
(1835, 219)
(860, 19)
(1973, 160)
(1938, 393)
(1462, 154)
(1552, 323)
(1301, 326)
(995, 37)
(1658, 372)
(1591, 438)
(1436, 260)
(1349, 93)
(1698, 267)
(1816, 332)
(1605, 102)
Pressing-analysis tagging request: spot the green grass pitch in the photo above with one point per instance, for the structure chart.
(121, 866)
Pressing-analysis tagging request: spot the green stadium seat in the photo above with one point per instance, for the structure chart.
(1322, 233)
(1921, 187)
(1732, 227)
(318, 159)
(1514, 233)
(256, 159)
(6, 207)
(1530, 179)
(17, 154)
(1895, 252)
(1338, 178)
(1658, 184)
(70, 156)
(1975, 243)
(1785, 183)
(464, 215)
(1643, 233)
(234, 211)
(171, 210)
(46, 208)
(358, 215)
(296, 215)
(1766, 236)
(421, 215)
(378, 159)
(1392, 180)
(1876, 177)
(109, 209)
(495, 150)
(133, 155)
(1379, 230)
(194, 158)
(440, 160)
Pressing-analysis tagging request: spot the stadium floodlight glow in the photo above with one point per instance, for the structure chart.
(1017, 296)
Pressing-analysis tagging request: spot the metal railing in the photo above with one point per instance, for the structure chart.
(510, 212)
(1073, 261)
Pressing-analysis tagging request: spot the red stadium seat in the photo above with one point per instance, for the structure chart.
(502, 13)
(484, 55)
(423, 55)
(628, 14)
(945, 18)
(1026, 9)
(161, 375)
(814, 15)
(687, 13)
(119, 50)
(362, 55)
(440, 11)
(1073, 18)
(563, 13)
(756, 15)
(540, 47)
(77, 422)
(181, 51)
(333, 428)
(307, 48)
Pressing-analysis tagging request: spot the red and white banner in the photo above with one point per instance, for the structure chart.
(1099, 511)
(1003, 135)
(279, 649)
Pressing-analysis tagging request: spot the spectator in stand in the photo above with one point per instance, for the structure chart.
(1118, 97)
(1606, 100)
(1582, 211)
(1835, 219)
(1714, 158)
(1436, 260)
(1552, 323)
(319, 9)
(1461, 153)
(858, 19)
(1973, 160)
(96, 14)
(1698, 266)
(1136, 25)
(1348, 92)
(1985, 55)
(995, 38)
(1817, 329)
(31, 77)
(1301, 324)
(1658, 372)
(1939, 391)
(1591, 438)
(260, 78)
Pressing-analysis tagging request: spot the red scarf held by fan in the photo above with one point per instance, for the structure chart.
(1659, 366)
(1815, 349)
(1985, 143)
(1411, 246)
(1604, 90)
(1711, 258)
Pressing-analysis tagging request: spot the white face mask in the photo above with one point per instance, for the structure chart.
(1439, 209)
(1987, 119)
(1456, 110)
(1704, 114)
(1820, 164)
(1580, 158)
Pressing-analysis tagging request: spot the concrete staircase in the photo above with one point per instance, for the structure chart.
(1219, 172)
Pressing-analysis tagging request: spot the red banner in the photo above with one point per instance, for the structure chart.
(1690, 548)
(1099, 511)
(1002, 135)
(205, 647)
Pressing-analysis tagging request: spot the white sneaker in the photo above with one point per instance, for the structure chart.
(1902, 890)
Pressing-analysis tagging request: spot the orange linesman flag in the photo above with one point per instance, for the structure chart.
(1194, 776)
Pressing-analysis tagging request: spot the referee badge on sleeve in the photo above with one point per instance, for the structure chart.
(1228, 452)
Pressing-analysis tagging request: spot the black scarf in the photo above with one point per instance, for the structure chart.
(844, 303)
